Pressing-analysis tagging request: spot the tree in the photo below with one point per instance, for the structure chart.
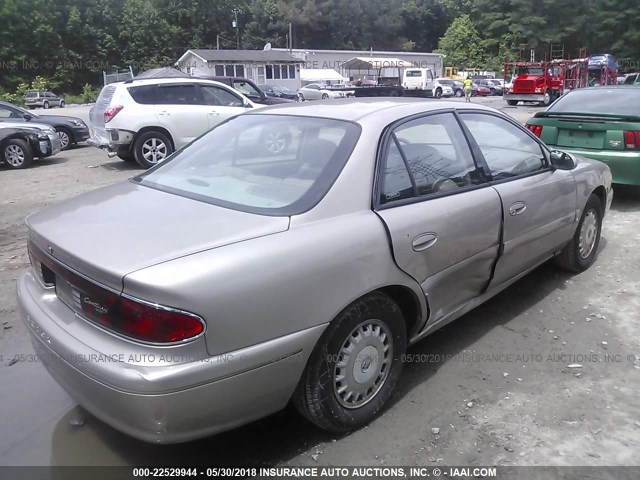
(462, 45)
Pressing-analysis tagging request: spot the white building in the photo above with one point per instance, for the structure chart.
(276, 67)
(335, 60)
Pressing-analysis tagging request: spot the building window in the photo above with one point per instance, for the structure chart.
(229, 70)
(277, 72)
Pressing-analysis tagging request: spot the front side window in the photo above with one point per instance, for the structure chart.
(236, 165)
(428, 155)
(508, 150)
(213, 95)
(183, 94)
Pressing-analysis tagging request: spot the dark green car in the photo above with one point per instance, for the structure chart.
(602, 123)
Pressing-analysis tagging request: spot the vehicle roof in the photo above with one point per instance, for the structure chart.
(354, 109)
(154, 81)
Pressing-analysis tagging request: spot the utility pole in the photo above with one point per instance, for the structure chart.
(235, 12)
(218, 42)
(290, 39)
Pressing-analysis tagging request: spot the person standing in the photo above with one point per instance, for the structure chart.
(468, 86)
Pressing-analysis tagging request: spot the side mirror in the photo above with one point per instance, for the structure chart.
(27, 117)
(562, 161)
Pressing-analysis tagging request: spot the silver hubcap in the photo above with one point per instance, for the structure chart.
(154, 150)
(275, 142)
(363, 364)
(14, 155)
(64, 139)
(547, 98)
(588, 234)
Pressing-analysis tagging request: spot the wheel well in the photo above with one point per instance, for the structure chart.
(154, 129)
(601, 193)
(407, 302)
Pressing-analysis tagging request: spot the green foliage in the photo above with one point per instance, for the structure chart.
(71, 42)
(88, 95)
(462, 44)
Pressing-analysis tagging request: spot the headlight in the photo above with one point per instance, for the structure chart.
(78, 123)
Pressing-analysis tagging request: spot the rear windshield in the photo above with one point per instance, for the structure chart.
(617, 100)
(32, 94)
(413, 73)
(266, 164)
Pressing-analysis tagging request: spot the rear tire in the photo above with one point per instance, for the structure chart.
(45, 105)
(151, 148)
(126, 153)
(354, 366)
(17, 154)
(580, 253)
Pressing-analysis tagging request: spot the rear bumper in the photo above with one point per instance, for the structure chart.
(111, 138)
(164, 403)
(624, 164)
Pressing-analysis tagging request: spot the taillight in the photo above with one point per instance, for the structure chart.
(111, 112)
(632, 140)
(124, 315)
(536, 129)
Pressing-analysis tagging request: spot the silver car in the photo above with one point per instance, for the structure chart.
(226, 282)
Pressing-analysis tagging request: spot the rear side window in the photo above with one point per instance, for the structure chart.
(183, 94)
(428, 155)
(144, 94)
(631, 79)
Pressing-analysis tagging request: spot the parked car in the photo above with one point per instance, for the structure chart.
(632, 79)
(315, 91)
(251, 90)
(20, 145)
(43, 100)
(442, 88)
(602, 123)
(146, 120)
(480, 90)
(452, 87)
(238, 281)
(493, 85)
(279, 92)
(71, 130)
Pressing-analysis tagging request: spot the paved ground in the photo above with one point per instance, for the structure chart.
(496, 382)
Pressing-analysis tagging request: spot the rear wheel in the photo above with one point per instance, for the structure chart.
(45, 104)
(17, 154)
(151, 148)
(125, 153)
(355, 365)
(580, 253)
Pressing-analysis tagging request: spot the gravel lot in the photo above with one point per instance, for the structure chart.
(496, 383)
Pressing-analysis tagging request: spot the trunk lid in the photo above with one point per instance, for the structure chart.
(110, 232)
(588, 131)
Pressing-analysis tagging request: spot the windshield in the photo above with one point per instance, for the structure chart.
(621, 101)
(267, 164)
(446, 82)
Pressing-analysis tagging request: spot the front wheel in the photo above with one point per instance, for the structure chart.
(438, 93)
(17, 154)
(459, 93)
(580, 253)
(513, 103)
(61, 103)
(65, 137)
(355, 365)
(45, 105)
(151, 148)
(325, 96)
(546, 100)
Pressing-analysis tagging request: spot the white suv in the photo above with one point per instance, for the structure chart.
(146, 120)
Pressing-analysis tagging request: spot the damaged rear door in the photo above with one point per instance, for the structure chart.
(443, 218)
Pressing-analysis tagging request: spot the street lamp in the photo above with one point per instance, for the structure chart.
(235, 25)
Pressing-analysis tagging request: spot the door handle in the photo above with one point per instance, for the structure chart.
(164, 112)
(517, 208)
(424, 241)
(214, 113)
